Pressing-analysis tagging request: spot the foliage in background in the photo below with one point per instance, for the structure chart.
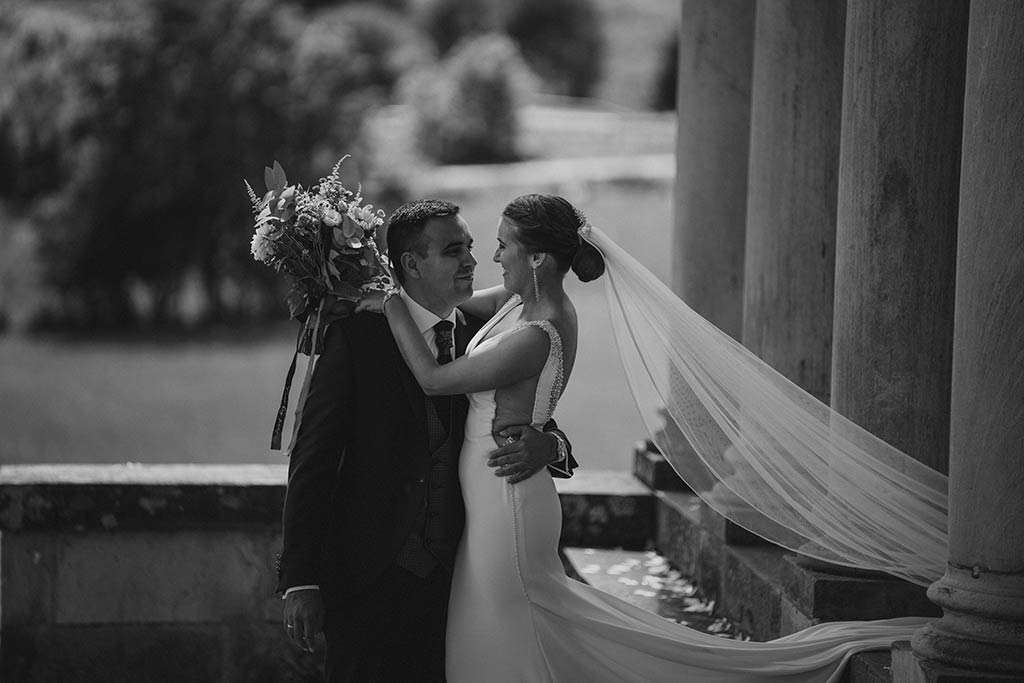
(448, 22)
(663, 98)
(561, 40)
(467, 106)
(124, 139)
(396, 5)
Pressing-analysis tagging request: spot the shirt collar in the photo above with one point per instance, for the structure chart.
(424, 319)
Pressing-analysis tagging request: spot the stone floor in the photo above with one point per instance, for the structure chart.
(647, 580)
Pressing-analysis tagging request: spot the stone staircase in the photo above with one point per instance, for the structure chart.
(722, 576)
(647, 580)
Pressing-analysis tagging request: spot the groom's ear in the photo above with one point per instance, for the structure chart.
(409, 264)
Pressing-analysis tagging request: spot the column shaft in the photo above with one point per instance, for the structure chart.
(982, 592)
(789, 265)
(896, 223)
(715, 56)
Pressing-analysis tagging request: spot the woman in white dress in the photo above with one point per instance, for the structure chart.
(513, 613)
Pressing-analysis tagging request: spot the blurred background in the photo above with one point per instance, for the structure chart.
(135, 325)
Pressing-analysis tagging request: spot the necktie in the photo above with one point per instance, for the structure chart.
(445, 344)
(444, 341)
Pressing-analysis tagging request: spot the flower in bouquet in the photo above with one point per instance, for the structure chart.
(324, 239)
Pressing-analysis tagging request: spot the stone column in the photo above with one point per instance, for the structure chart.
(796, 103)
(982, 592)
(715, 57)
(899, 165)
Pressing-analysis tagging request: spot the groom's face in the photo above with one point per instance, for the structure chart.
(446, 269)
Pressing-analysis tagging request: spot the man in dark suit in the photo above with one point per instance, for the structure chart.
(373, 511)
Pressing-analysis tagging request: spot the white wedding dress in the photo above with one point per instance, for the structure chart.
(515, 616)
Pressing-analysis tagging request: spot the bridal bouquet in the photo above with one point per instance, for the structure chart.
(326, 241)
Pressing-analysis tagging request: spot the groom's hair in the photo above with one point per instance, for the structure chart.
(405, 229)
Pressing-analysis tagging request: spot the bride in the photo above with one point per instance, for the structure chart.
(513, 613)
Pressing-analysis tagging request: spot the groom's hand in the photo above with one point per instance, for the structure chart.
(304, 617)
(525, 451)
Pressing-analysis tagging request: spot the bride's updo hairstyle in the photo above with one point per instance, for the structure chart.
(549, 224)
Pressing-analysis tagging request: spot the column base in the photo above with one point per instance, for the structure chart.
(982, 626)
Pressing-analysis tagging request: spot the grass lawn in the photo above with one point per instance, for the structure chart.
(203, 400)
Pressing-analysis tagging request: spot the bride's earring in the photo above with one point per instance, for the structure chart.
(536, 287)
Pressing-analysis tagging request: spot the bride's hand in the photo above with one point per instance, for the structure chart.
(372, 301)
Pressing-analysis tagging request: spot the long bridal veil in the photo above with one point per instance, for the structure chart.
(761, 451)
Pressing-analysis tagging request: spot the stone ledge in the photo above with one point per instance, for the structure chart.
(147, 475)
(140, 497)
(606, 509)
(600, 508)
(827, 596)
(651, 467)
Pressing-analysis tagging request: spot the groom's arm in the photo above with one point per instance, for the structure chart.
(523, 451)
(315, 459)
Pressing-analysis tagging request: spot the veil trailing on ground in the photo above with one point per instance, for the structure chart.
(761, 451)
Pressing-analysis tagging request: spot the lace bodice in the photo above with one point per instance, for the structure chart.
(551, 381)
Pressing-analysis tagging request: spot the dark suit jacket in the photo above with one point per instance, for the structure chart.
(358, 471)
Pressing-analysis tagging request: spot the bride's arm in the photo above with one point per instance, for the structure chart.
(517, 357)
(486, 302)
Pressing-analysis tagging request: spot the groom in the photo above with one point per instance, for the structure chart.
(373, 511)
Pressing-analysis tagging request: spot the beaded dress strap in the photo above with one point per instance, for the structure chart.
(547, 397)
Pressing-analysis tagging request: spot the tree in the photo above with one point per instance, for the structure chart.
(126, 137)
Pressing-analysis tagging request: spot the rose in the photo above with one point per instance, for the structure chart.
(262, 245)
(330, 217)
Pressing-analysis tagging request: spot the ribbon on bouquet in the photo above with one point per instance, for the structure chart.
(282, 410)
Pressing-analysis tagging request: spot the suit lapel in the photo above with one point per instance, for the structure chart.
(410, 387)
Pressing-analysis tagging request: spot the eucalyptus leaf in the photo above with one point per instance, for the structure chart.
(280, 180)
(350, 227)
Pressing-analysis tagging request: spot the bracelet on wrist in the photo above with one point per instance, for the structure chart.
(387, 297)
(563, 451)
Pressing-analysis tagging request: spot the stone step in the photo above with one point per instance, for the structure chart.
(766, 590)
(869, 667)
(606, 509)
(647, 580)
(651, 467)
(692, 536)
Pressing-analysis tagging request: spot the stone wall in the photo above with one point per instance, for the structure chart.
(165, 572)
